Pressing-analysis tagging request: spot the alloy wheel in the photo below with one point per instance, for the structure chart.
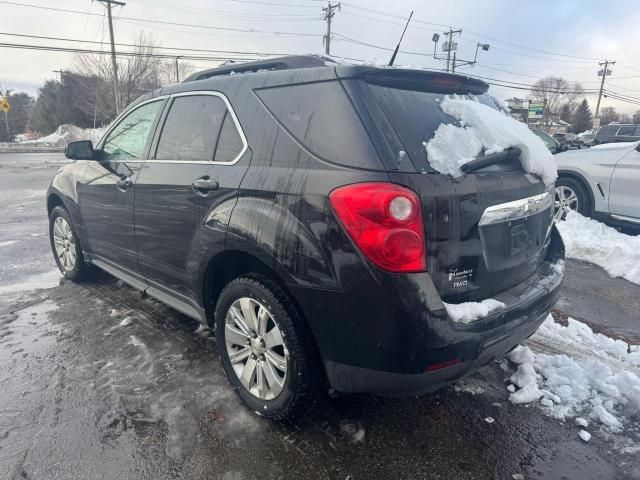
(565, 200)
(64, 243)
(256, 348)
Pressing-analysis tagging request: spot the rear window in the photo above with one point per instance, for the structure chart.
(415, 116)
(321, 117)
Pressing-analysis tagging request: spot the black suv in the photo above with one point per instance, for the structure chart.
(289, 204)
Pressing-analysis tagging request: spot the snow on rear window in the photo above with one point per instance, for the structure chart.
(484, 128)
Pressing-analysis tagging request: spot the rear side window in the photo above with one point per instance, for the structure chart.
(628, 131)
(199, 128)
(229, 141)
(321, 117)
(415, 116)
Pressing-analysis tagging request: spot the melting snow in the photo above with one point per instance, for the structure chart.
(598, 376)
(469, 311)
(584, 435)
(595, 242)
(69, 133)
(482, 127)
(42, 280)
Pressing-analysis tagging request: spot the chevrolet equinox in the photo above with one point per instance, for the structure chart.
(289, 204)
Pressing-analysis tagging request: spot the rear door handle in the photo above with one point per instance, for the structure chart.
(124, 183)
(202, 186)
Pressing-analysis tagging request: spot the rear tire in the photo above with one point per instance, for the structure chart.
(571, 194)
(65, 246)
(273, 368)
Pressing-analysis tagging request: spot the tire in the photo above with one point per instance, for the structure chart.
(566, 186)
(62, 233)
(282, 395)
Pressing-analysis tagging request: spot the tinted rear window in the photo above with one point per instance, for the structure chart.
(415, 116)
(321, 117)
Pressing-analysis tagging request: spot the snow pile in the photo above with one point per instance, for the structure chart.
(600, 378)
(594, 242)
(470, 311)
(65, 134)
(482, 127)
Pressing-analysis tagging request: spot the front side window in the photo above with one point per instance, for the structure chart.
(128, 139)
(199, 128)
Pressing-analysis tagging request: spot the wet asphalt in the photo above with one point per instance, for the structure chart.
(97, 381)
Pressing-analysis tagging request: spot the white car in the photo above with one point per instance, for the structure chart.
(602, 182)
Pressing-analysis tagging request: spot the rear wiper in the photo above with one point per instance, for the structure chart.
(486, 160)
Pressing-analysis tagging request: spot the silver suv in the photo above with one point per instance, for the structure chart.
(602, 182)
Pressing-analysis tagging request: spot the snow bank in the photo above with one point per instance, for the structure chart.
(600, 378)
(482, 127)
(470, 311)
(65, 134)
(594, 242)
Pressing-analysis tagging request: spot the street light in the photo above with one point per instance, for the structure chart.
(484, 46)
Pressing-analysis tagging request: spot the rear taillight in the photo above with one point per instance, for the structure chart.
(385, 222)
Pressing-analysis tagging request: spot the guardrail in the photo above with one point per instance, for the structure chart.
(28, 148)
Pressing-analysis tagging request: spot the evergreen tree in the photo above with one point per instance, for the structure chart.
(582, 119)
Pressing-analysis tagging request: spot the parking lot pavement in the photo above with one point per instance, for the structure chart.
(100, 382)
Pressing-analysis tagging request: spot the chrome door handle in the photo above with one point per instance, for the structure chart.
(124, 183)
(202, 186)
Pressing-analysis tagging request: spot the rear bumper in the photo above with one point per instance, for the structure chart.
(348, 378)
(387, 333)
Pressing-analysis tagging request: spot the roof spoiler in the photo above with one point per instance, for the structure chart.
(280, 63)
(423, 80)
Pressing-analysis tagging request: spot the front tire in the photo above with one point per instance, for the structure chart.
(264, 348)
(65, 246)
(570, 194)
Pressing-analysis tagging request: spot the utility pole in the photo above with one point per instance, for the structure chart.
(177, 71)
(603, 73)
(114, 64)
(450, 45)
(329, 12)
(60, 72)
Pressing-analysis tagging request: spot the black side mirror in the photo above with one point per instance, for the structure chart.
(82, 150)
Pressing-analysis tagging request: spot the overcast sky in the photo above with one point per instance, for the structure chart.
(529, 40)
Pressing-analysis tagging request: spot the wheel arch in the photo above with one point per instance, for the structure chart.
(54, 200)
(583, 181)
(231, 264)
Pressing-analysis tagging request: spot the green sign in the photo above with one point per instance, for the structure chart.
(536, 110)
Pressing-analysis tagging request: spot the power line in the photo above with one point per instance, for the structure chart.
(181, 49)
(239, 16)
(471, 32)
(161, 22)
(120, 53)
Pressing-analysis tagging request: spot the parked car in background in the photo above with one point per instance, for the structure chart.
(602, 182)
(568, 139)
(274, 207)
(552, 144)
(586, 139)
(614, 133)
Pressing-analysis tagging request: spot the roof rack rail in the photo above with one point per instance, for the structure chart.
(280, 63)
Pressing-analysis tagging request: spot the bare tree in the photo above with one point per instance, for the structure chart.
(555, 93)
(138, 73)
(608, 115)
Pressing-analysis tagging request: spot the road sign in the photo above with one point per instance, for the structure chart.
(596, 123)
(536, 110)
(4, 105)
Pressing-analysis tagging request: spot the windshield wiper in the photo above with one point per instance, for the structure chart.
(486, 160)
